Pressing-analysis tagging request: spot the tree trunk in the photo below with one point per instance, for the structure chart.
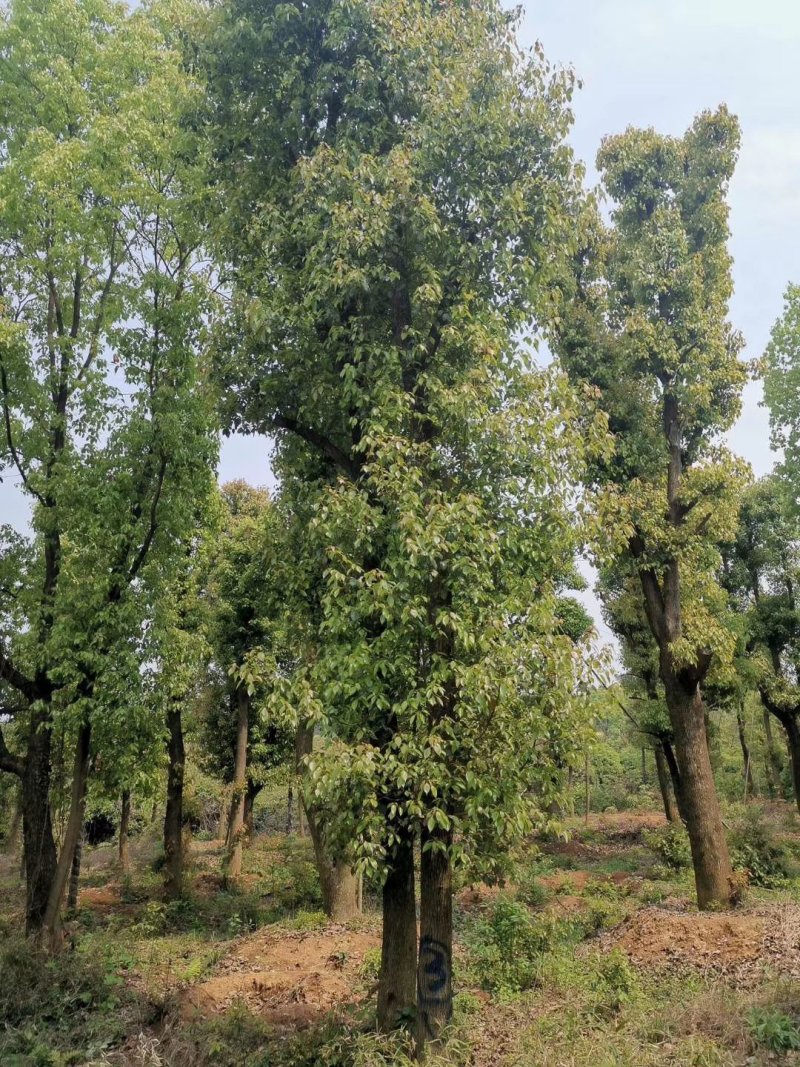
(790, 725)
(339, 884)
(16, 823)
(37, 827)
(665, 784)
(289, 810)
(675, 776)
(434, 964)
(124, 829)
(173, 818)
(75, 873)
(748, 767)
(236, 822)
(80, 776)
(251, 792)
(398, 975)
(701, 810)
(773, 759)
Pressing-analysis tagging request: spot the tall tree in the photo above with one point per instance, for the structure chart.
(646, 324)
(106, 415)
(412, 177)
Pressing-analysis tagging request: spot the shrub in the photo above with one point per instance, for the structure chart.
(508, 945)
(755, 849)
(671, 844)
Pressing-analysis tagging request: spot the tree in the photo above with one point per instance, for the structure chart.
(242, 547)
(645, 323)
(412, 175)
(107, 419)
(760, 571)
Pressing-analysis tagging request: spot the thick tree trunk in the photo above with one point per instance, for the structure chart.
(773, 759)
(124, 829)
(339, 884)
(398, 977)
(236, 822)
(435, 960)
(665, 784)
(748, 767)
(173, 818)
(701, 810)
(790, 725)
(37, 826)
(80, 777)
(75, 873)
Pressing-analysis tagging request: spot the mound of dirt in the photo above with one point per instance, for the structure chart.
(657, 937)
(290, 979)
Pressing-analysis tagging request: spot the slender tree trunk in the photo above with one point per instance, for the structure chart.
(748, 768)
(435, 960)
(289, 810)
(773, 763)
(80, 777)
(236, 823)
(644, 766)
(665, 784)
(37, 827)
(173, 818)
(701, 810)
(124, 829)
(251, 792)
(674, 774)
(339, 884)
(398, 976)
(75, 873)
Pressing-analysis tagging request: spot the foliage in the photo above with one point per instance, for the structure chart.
(671, 845)
(774, 1029)
(756, 850)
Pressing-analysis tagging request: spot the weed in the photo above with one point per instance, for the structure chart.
(671, 844)
(773, 1029)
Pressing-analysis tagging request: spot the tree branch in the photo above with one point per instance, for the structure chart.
(152, 526)
(9, 436)
(15, 678)
(8, 761)
(323, 444)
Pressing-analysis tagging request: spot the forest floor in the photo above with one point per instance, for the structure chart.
(595, 955)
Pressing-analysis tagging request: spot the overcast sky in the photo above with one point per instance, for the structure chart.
(650, 63)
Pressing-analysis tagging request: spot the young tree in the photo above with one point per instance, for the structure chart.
(646, 324)
(106, 418)
(412, 178)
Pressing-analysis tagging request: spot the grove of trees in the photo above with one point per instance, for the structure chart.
(357, 227)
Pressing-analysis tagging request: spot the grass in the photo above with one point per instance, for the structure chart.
(536, 974)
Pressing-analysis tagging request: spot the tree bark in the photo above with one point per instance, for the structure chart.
(289, 810)
(37, 827)
(236, 821)
(790, 725)
(398, 975)
(75, 873)
(712, 866)
(435, 959)
(749, 789)
(173, 818)
(665, 784)
(80, 777)
(124, 829)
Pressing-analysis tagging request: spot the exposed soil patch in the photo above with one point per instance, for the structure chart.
(577, 881)
(290, 979)
(657, 937)
(99, 897)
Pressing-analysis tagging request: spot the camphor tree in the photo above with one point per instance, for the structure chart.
(412, 184)
(646, 324)
(761, 567)
(106, 414)
(241, 742)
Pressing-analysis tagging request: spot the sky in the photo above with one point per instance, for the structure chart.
(651, 63)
